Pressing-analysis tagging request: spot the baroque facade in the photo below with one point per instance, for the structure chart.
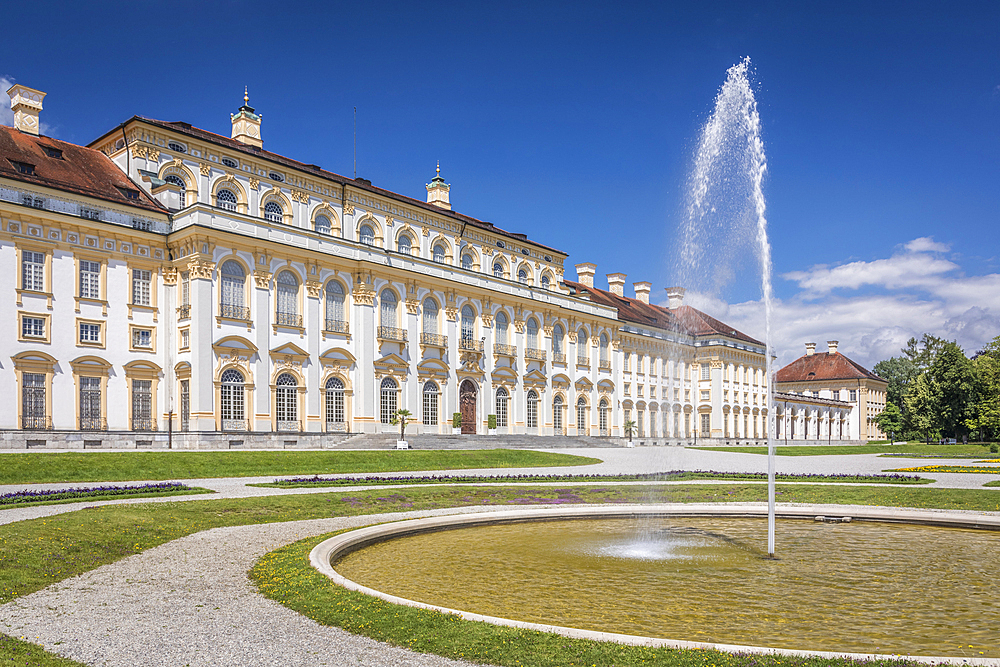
(169, 278)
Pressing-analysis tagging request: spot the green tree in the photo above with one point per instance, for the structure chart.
(984, 412)
(952, 379)
(923, 353)
(900, 373)
(630, 428)
(921, 405)
(401, 417)
(890, 420)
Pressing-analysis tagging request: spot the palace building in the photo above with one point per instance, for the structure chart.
(169, 279)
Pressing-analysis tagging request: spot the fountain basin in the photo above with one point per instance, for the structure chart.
(338, 547)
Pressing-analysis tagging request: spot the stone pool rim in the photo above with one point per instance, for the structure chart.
(340, 545)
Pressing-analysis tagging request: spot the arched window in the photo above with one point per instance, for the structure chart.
(468, 323)
(233, 291)
(557, 416)
(387, 312)
(522, 276)
(287, 302)
(367, 235)
(179, 182)
(334, 404)
(532, 334)
(430, 316)
(604, 352)
(404, 244)
(273, 211)
(582, 428)
(602, 416)
(286, 408)
(467, 261)
(439, 253)
(501, 406)
(581, 347)
(557, 339)
(545, 282)
(323, 225)
(500, 328)
(232, 401)
(532, 409)
(430, 403)
(498, 270)
(387, 402)
(335, 296)
(226, 199)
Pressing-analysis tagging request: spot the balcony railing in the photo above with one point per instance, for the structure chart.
(534, 353)
(582, 360)
(336, 427)
(392, 333)
(338, 326)
(504, 349)
(143, 424)
(288, 319)
(470, 345)
(36, 423)
(437, 340)
(184, 312)
(604, 365)
(93, 424)
(286, 425)
(558, 358)
(234, 312)
(235, 425)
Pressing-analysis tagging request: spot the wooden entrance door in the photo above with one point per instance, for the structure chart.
(467, 403)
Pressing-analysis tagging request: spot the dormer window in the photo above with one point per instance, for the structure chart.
(275, 176)
(52, 152)
(229, 162)
(176, 147)
(129, 193)
(23, 167)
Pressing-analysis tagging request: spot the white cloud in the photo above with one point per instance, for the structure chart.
(6, 115)
(914, 293)
(927, 244)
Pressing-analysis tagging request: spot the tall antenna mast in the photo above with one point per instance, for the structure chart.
(355, 142)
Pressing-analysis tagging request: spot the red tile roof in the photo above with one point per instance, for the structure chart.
(824, 366)
(80, 170)
(358, 184)
(685, 319)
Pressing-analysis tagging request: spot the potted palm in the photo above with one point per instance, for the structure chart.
(401, 417)
(630, 430)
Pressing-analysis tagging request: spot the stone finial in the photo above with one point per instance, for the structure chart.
(26, 103)
(616, 283)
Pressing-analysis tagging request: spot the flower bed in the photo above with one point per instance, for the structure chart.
(97, 492)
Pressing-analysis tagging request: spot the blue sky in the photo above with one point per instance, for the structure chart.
(576, 123)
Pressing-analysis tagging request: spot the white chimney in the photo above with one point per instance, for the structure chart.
(26, 103)
(832, 346)
(676, 297)
(246, 124)
(438, 191)
(642, 291)
(585, 273)
(616, 283)
(810, 349)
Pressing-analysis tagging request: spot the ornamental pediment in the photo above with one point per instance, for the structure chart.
(391, 363)
(504, 375)
(289, 350)
(534, 378)
(435, 369)
(560, 381)
(583, 384)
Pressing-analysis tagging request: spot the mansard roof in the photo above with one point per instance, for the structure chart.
(684, 319)
(79, 170)
(187, 129)
(824, 366)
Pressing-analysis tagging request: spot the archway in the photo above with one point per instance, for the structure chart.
(467, 406)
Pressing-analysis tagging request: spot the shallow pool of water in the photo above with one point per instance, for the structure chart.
(858, 587)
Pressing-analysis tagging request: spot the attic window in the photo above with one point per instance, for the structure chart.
(811, 374)
(24, 167)
(129, 193)
(524, 251)
(548, 258)
(230, 163)
(174, 146)
(275, 176)
(52, 152)
(500, 244)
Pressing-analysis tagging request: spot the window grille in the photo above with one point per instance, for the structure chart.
(498, 270)
(557, 415)
(522, 276)
(545, 282)
(32, 271)
(439, 254)
(581, 416)
(179, 182)
(500, 328)
(602, 416)
(141, 279)
(228, 162)
(226, 199)
(33, 327)
(430, 404)
(404, 244)
(532, 334)
(501, 406)
(233, 401)
(174, 146)
(387, 309)
(467, 262)
(532, 416)
(185, 405)
(430, 316)
(387, 404)
(233, 290)
(557, 339)
(90, 280)
(323, 224)
(142, 405)
(91, 417)
(334, 304)
(287, 298)
(367, 235)
(286, 402)
(33, 412)
(273, 211)
(468, 323)
(334, 403)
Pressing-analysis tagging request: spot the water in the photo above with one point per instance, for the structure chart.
(726, 217)
(860, 587)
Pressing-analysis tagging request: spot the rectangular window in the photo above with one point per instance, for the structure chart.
(32, 271)
(141, 280)
(142, 338)
(32, 327)
(185, 288)
(33, 202)
(185, 404)
(706, 372)
(706, 425)
(24, 167)
(628, 362)
(854, 395)
(704, 394)
(430, 408)
(90, 213)
(90, 333)
(142, 224)
(90, 279)
(185, 339)
(33, 412)
(91, 416)
(142, 405)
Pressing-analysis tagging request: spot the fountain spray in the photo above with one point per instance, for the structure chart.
(726, 211)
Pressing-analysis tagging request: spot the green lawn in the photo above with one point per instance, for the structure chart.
(918, 450)
(40, 552)
(24, 468)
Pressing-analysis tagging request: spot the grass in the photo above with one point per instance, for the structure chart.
(127, 466)
(40, 552)
(673, 476)
(982, 470)
(995, 482)
(917, 450)
(82, 494)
